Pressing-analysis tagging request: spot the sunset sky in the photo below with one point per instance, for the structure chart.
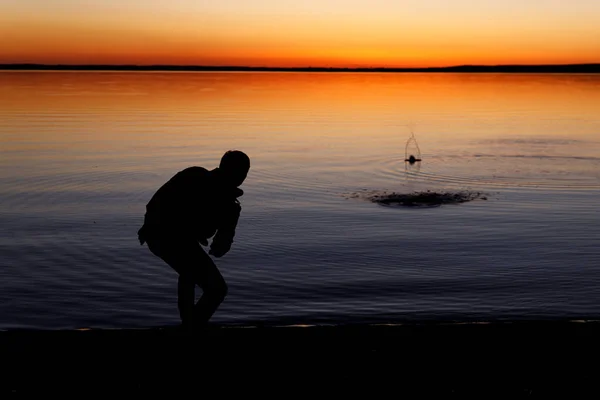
(336, 33)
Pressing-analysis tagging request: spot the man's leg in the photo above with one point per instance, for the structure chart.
(176, 253)
(213, 285)
(186, 296)
(192, 264)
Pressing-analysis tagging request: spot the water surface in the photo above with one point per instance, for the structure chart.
(81, 153)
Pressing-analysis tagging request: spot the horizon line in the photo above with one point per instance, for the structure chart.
(579, 67)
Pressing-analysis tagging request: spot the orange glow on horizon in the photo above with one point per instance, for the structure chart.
(139, 36)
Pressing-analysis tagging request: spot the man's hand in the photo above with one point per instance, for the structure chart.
(218, 249)
(142, 235)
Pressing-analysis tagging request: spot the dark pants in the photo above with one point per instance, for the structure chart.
(195, 267)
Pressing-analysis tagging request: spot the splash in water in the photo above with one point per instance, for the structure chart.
(425, 199)
(412, 158)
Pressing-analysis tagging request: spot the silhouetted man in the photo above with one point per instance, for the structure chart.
(193, 206)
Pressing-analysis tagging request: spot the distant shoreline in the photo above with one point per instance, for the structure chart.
(564, 68)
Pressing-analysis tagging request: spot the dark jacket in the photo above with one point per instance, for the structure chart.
(193, 203)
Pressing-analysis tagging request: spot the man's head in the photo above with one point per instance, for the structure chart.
(235, 165)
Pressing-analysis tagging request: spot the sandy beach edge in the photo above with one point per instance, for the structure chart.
(519, 357)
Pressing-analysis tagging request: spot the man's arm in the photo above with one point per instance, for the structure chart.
(223, 239)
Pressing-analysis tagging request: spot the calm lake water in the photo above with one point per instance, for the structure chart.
(81, 153)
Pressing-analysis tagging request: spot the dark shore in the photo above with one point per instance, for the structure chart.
(518, 359)
(554, 68)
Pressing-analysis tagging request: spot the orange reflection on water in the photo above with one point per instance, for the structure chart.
(259, 92)
(326, 126)
(294, 107)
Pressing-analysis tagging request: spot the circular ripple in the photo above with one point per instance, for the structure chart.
(495, 172)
